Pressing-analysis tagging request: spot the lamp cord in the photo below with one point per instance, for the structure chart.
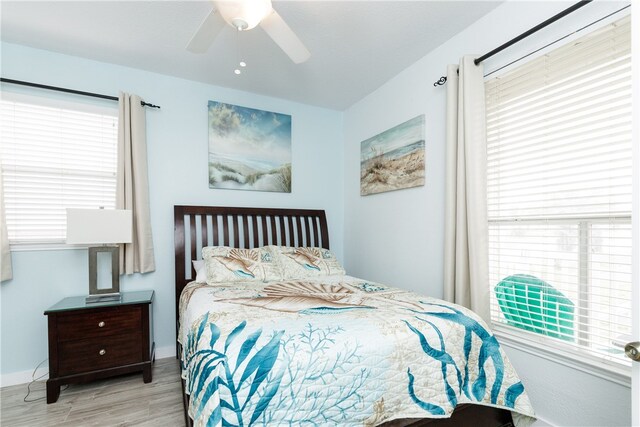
(34, 380)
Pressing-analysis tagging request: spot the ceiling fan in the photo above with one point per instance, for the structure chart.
(244, 15)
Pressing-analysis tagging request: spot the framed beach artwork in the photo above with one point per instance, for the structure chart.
(393, 159)
(249, 149)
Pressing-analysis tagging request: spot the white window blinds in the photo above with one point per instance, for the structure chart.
(559, 195)
(54, 156)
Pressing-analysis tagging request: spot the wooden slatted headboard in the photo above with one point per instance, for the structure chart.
(199, 226)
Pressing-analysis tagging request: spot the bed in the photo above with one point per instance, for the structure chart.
(328, 349)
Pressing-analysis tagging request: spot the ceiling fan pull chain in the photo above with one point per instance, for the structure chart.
(237, 70)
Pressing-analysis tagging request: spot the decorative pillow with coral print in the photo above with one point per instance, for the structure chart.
(225, 264)
(298, 263)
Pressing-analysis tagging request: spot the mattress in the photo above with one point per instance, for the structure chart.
(336, 350)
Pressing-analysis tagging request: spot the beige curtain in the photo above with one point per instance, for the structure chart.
(132, 191)
(466, 260)
(6, 272)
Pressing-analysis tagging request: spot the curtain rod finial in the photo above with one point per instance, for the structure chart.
(147, 104)
(442, 80)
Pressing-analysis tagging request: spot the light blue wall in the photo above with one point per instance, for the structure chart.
(177, 158)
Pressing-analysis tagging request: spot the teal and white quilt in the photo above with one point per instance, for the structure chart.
(336, 350)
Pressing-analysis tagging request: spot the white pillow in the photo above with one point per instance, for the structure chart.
(201, 271)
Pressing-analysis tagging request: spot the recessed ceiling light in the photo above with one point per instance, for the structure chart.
(237, 71)
(243, 64)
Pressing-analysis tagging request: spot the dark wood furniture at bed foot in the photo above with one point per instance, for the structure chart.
(93, 341)
(464, 415)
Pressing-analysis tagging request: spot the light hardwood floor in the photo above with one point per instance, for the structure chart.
(121, 401)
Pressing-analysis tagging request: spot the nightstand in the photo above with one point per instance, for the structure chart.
(99, 340)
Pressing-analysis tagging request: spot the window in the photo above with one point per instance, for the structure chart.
(55, 155)
(559, 196)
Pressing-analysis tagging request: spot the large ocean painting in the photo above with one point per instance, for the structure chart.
(249, 149)
(393, 159)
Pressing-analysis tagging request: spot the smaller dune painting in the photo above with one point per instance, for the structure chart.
(393, 159)
(249, 149)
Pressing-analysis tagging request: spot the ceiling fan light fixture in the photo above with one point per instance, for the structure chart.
(244, 14)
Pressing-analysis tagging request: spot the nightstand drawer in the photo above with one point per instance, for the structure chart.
(102, 323)
(99, 353)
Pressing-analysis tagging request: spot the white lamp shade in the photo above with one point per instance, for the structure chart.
(99, 226)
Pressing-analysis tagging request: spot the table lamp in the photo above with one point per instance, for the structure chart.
(107, 228)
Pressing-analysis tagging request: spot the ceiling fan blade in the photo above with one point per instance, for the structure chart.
(207, 32)
(284, 37)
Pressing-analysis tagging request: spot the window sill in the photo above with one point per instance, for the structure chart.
(53, 246)
(609, 370)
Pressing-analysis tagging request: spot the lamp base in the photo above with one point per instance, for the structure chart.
(91, 299)
(101, 294)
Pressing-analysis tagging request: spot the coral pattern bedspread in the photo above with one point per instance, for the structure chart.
(336, 350)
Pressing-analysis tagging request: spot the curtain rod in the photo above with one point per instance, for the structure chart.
(442, 80)
(557, 40)
(73, 91)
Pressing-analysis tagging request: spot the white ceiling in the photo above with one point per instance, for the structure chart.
(355, 46)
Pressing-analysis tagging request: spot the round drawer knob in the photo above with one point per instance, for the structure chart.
(102, 352)
(101, 325)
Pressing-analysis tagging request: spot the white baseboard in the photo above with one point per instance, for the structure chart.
(25, 377)
(166, 351)
(541, 422)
